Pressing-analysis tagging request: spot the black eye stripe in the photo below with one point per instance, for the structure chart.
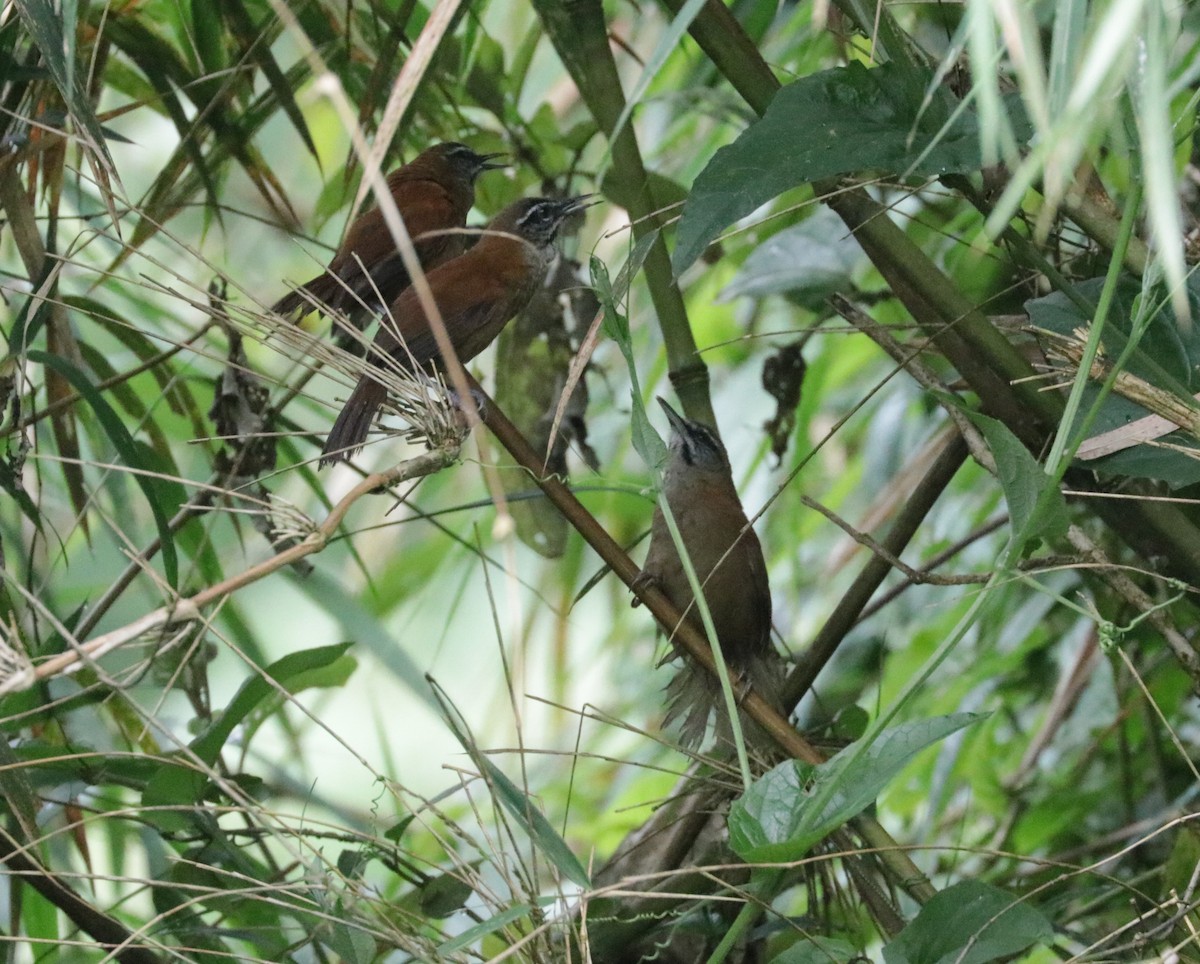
(539, 212)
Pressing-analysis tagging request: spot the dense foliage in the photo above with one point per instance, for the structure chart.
(927, 267)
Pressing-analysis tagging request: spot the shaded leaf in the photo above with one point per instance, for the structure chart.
(807, 262)
(817, 950)
(969, 923)
(1035, 503)
(839, 121)
(180, 786)
(795, 805)
(1167, 356)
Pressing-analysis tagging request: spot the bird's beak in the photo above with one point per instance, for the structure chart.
(578, 203)
(485, 161)
(678, 422)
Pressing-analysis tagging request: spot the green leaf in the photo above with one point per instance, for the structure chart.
(521, 807)
(323, 666)
(969, 923)
(209, 36)
(1167, 356)
(179, 787)
(535, 823)
(818, 950)
(808, 262)
(490, 926)
(796, 804)
(647, 442)
(1035, 503)
(848, 119)
(122, 441)
(444, 894)
(55, 42)
(351, 944)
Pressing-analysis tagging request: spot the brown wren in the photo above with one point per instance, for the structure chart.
(477, 294)
(728, 559)
(433, 193)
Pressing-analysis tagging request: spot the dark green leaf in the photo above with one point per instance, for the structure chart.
(795, 805)
(351, 944)
(808, 262)
(839, 121)
(321, 667)
(1035, 502)
(969, 923)
(444, 895)
(817, 950)
(55, 41)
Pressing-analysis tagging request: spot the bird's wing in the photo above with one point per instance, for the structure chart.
(467, 295)
(426, 207)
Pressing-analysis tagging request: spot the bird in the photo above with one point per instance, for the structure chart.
(433, 193)
(728, 560)
(477, 294)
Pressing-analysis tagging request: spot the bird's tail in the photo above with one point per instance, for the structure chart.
(693, 693)
(350, 430)
(296, 299)
(322, 293)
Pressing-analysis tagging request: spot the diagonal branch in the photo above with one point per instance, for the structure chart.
(108, 932)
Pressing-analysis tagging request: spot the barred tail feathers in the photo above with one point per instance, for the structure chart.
(693, 693)
(352, 425)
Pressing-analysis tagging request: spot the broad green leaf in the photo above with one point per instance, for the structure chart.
(818, 950)
(351, 944)
(795, 805)
(808, 262)
(180, 785)
(1035, 503)
(839, 121)
(322, 666)
(969, 923)
(444, 894)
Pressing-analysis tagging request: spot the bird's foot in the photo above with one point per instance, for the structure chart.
(642, 581)
(478, 402)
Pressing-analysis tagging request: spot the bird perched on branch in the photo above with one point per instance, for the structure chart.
(477, 294)
(728, 560)
(433, 193)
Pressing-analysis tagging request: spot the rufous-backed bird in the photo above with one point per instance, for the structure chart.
(477, 294)
(433, 193)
